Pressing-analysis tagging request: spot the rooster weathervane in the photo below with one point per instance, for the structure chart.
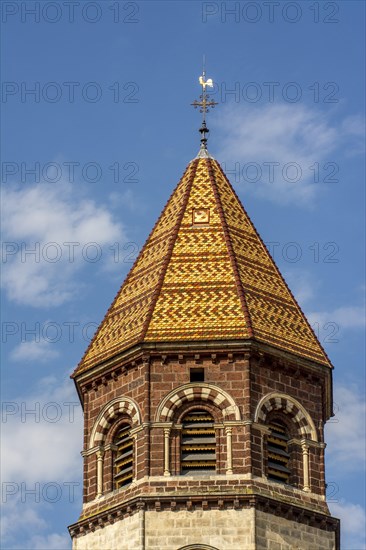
(205, 104)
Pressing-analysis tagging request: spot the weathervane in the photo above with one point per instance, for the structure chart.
(204, 104)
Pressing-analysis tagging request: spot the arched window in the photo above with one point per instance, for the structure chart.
(278, 454)
(123, 457)
(198, 448)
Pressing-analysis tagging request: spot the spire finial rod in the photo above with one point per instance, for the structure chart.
(205, 104)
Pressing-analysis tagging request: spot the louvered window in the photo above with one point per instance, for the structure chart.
(278, 455)
(198, 451)
(123, 457)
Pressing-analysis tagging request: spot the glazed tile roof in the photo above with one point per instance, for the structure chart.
(203, 274)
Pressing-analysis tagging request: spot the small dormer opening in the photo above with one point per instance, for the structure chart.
(197, 375)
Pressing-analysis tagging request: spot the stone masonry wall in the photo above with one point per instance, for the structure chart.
(276, 533)
(246, 529)
(222, 529)
(122, 535)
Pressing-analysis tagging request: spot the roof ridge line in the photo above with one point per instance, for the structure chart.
(275, 266)
(175, 231)
(129, 275)
(238, 283)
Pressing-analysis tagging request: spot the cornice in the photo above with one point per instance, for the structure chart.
(206, 502)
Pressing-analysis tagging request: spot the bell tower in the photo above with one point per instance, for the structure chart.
(205, 391)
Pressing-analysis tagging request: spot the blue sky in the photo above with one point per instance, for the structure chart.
(89, 159)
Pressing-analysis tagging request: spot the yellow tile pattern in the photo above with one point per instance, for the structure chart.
(199, 297)
(275, 316)
(182, 285)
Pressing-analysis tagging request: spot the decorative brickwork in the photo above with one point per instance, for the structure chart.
(197, 392)
(108, 415)
(289, 406)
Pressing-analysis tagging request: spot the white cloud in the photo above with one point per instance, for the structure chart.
(127, 199)
(20, 535)
(353, 524)
(282, 133)
(51, 542)
(327, 324)
(302, 284)
(45, 423)
(345, 432)
(60, 225)
(12, 510)
(40, 453)
(34, 351)
(355, 126)
(346, 317)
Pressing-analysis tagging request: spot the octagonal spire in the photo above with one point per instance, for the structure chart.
(204, 274)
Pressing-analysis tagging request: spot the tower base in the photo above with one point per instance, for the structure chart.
(212, 524)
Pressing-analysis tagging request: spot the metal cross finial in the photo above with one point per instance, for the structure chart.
(204, 104)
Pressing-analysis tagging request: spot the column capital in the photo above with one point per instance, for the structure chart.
(100, 453)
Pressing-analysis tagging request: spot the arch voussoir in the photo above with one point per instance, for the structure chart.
(196, 392)
(292, 408)
(109, 414)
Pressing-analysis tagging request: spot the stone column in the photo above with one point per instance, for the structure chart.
(166, 451)
(100, 461)
(264, 432)
(229, 450)
(305, 464)
(134, 457)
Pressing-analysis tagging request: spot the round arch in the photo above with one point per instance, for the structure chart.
(110, 412)
(198, 547)
(275, 401)
(197, 391)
